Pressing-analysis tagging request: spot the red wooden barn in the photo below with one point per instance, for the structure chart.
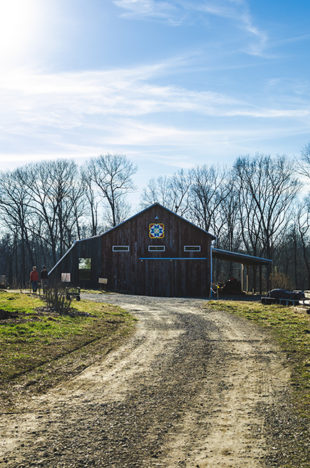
(155, 252)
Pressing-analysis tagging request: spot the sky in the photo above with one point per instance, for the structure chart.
(171, 84)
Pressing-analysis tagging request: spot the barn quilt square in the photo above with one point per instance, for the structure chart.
(156, 231)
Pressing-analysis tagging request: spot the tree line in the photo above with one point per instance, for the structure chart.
(259, 206)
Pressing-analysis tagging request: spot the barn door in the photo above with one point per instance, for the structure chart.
(175, 278)
(158, 277)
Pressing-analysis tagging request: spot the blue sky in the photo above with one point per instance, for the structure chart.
(169, 83)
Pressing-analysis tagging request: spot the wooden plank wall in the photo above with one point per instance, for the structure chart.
(126, 272)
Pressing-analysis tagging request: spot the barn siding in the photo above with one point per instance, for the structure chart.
(87, 248)
(126, 271)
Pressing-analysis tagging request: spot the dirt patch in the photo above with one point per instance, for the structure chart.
(191, 388)
(5, 315)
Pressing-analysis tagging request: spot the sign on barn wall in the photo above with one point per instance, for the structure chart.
(156, 230)
(103, 280)
(66, 277)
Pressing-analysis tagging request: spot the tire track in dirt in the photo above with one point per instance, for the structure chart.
(183, 391)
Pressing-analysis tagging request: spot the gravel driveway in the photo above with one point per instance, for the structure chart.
(191, 388)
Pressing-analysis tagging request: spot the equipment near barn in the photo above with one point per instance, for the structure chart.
(73, 293)
(232, 286)
(283, 296)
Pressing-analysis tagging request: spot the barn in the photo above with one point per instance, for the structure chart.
(155, 252)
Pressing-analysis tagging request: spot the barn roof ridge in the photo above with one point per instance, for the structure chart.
(142, 211)
(125, 221)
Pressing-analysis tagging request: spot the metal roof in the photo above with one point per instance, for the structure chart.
(239, 257)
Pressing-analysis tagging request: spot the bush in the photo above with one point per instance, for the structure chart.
(57, 299)
(280, 280)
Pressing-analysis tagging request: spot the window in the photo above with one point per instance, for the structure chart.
(84, 269)
(120, 248)
(156, 248)
(192, 248)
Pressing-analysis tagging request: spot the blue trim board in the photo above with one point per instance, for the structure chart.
(173, 258)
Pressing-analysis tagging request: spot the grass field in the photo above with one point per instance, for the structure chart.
(291, 329)
(39, 347)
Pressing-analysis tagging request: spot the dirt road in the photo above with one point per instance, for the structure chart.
(191, 388)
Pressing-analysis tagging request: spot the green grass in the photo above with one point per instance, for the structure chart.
(291, 329)
(15, 302)
(37, 338)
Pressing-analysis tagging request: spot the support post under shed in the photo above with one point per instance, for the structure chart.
(248, 261)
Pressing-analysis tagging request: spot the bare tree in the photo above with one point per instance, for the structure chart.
(303, 167)
(91, 200)
(250, 222)
(74, 212)
(227, 217)
(54, 195)
(112, 174)
(14, 206)
(172, 192)
(157, 191)
(208, 191)
(269, 188)
(303, 226)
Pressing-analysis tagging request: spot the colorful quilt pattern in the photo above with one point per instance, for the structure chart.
(156, 231)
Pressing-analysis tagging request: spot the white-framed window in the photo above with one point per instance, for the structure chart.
(156, 248)
(120, 248)
(192, 248)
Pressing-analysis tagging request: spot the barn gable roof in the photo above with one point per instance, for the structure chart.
(149, 208)
(126, 221)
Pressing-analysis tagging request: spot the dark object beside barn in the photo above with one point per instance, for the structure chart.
(73, 293)
(283, 296)
(286, 294)
(232, 286)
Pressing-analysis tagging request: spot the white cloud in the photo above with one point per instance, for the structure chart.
(65, 101)
(177, 12)
(167, 11)
(86, 113)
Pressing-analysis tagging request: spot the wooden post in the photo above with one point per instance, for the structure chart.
(260, 280)
(242, 275)
(247, 278)
(269, 285)
(254, 286)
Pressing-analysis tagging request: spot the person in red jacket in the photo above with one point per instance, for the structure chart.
(34, 278)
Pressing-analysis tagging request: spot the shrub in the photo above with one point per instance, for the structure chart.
(280, 280)
(57, 299)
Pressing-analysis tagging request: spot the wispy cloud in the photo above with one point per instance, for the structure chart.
(69, 100)
(167, 11)
(82, 113)
(177, 12)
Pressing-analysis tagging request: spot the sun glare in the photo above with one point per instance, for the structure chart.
(18, 19)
